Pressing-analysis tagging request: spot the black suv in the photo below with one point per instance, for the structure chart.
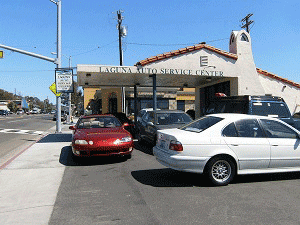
(255, 105)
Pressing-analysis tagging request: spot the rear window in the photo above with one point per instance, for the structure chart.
(227, 107)
(201, 124)
(275, 109)
(172, 118)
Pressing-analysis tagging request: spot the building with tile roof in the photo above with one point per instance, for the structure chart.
(190, 76)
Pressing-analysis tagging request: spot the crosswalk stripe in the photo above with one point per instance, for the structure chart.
(17, 131)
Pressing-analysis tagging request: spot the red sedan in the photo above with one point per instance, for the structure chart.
(101, 135)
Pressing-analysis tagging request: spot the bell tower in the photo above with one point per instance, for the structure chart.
(240, 44)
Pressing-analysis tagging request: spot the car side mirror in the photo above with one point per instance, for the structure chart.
(72, 127)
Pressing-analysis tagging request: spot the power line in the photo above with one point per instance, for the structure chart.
(25, 71)
(194, 43)
(95, 49)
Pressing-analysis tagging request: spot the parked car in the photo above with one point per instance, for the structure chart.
(124, 119)
(101, 135)
(154, 120)
(265, 105)
(4, 112)
(142, 112)
(223, 145)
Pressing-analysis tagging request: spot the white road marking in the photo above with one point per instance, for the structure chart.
(17, 131)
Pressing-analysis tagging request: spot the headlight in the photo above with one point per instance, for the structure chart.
(81, 142)
(123, 140)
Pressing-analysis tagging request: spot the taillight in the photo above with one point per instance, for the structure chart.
(176, 146)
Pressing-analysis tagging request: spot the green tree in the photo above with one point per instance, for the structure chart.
(12, 107)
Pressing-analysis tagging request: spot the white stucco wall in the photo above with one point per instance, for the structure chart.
(289, 93)
(248, 81)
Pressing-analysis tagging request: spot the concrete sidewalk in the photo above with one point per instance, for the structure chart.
(29, 183)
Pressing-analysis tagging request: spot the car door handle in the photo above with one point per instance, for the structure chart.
(234, 144)
(275, 145)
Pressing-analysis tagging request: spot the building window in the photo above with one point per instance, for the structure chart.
(232, 39)
(181, 105)
(244, 38)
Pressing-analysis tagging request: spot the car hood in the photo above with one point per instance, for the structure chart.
(101, 133)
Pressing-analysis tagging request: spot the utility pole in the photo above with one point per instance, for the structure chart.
(247, 22)
(122, 33)
(120, 18)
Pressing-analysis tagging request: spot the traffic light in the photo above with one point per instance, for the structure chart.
(1, 54)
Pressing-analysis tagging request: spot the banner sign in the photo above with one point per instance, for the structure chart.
(64, 80)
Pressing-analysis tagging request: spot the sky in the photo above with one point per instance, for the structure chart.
(90, 35)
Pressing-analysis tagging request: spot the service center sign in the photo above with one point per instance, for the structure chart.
(64, 81)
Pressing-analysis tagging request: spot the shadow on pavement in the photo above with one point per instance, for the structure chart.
(68, 159)
(172, 178)
(144, 147)
(254, 178)
(56, 138)
(169, 178)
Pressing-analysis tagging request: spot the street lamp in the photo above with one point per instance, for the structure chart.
(58, 63)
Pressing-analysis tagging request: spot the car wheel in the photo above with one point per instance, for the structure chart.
(220, 170)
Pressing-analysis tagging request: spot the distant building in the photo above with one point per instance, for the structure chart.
(3, 105)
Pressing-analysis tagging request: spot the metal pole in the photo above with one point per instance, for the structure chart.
(135, 103)
(70, 96)
(58, 98)
(120, 36)
(121, 56)
(154, 91)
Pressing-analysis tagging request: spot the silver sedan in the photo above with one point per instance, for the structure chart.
(223, 145)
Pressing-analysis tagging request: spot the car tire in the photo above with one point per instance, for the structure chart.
(220, 170)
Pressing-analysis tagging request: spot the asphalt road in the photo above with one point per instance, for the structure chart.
(141, 191)
(135, 191)
(20, 131)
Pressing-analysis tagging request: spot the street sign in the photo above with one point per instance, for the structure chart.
(1, 54)
(64, 80)
(53, 89)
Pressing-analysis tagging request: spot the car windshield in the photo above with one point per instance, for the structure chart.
(98, 122)
(270, 109)
(201, 124)
(172, 118)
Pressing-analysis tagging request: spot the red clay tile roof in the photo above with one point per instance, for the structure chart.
(183, 51)
(268, 74)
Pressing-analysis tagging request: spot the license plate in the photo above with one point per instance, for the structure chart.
(163, 144)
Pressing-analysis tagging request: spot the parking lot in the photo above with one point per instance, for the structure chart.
(141, 191)
(49, 187)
